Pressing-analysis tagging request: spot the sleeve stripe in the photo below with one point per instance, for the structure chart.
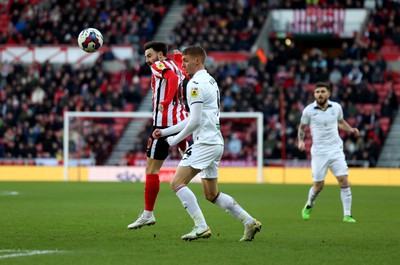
(195, 102)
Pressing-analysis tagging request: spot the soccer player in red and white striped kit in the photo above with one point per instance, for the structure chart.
(168, 110)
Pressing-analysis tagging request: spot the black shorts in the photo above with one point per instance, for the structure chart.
(157, 148)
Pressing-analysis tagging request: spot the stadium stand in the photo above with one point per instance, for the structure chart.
(33, 97)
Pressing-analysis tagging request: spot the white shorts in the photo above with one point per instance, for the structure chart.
(336, 161)
(204, 157)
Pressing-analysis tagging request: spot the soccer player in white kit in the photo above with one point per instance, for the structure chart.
(205, 154)
(324, 116)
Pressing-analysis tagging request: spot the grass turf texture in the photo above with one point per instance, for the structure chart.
(88, 221)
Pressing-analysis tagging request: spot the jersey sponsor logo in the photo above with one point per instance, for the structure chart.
(161, 66)
(195, 92)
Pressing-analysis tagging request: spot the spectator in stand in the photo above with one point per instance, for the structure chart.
(335, 77)
(234, 145)
(355, 76)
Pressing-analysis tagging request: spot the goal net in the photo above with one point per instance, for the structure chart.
(110, 146)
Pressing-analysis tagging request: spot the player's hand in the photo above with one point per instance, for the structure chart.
(160, 107)
(301, 145)
(355, 132)
(176, 51)
(157, 133)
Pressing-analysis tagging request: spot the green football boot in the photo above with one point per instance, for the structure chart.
(349, 219)
(306, 212)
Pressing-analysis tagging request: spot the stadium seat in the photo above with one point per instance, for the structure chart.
(118, 128)
(384, 124)
(129, 107)
(382, 94)
(145, 83)
(351, 121)
(396, 89)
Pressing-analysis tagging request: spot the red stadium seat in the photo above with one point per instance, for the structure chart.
(351, 121)
(384, 124)
(129, 107)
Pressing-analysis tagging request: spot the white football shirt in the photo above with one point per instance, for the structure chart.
(203, 89)
(324, 127)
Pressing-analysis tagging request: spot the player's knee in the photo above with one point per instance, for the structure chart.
(173, 184)
(343, 181)
(152, 169)
(210, 196)
(318, 188)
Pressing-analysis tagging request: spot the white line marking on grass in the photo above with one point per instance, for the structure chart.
(22, 253)
(8, 193)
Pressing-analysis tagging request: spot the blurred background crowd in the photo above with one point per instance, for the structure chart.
(34, 97)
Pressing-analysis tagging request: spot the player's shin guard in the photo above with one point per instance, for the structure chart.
(191, 205)
(152, 187)
(229, 204)
(312, 196)
(345, 195)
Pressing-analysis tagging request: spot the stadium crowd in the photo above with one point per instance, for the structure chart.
(34, 97)
(57, 22)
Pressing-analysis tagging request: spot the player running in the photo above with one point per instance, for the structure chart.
(323, 116)
(205, 154)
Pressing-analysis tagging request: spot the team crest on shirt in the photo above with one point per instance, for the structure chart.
(195, 92)
(161, 66)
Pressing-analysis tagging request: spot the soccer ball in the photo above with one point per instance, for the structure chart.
(90, 40)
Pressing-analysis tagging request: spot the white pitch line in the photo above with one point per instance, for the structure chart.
(25, 253)
(8, 193)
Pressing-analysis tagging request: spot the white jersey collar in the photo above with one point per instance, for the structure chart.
(316, 106)
(200, 72)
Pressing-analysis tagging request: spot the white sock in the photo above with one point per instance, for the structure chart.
(190, 204)
(231, 206)
(345, 195)
(147, 214)
(312, 196)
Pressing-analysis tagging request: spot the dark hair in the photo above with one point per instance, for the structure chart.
(196, 51)
(157, 47)
(323, 84)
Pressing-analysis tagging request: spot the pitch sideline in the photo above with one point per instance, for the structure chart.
(22, 253)
(8, 193)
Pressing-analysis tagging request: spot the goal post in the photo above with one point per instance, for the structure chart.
(258, 116)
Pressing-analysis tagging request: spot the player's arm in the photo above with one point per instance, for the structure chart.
(178, 60)
(345, 126)
(301, 134)
(171, 88)
(170, 130)
(196, 109)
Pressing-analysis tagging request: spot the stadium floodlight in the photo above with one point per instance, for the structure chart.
(147, 115)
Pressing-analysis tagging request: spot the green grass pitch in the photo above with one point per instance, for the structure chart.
(86, 223)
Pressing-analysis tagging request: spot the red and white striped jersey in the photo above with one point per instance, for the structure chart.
(175, 111)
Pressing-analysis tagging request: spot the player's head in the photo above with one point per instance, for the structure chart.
(193, 58)
(155, 51)
(322, 92)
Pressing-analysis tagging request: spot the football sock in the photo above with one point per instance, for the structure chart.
(151, 189)
(147, 214)
(229, 204)
(311, 197)
(190, 204)
(345, 195)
